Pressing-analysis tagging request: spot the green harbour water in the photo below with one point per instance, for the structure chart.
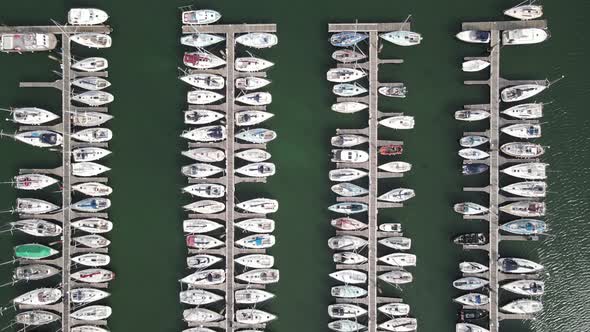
(148, 251)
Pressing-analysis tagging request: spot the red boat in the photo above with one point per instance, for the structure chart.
(202, 60)
(391, 150)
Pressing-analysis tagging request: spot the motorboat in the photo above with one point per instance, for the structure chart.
(350, 276)
(523, 130)
(257, 135)
(35, 318)
(345, 325)
(33, 181)
(518, 265)
(521, 92)
(472, 267)
(203, 97)
(251, 83)
(524, 36)
(200, 315)
(397, 195)
(32, 272)
(255, 99)
(391, 150)
(473, 299)
(253, 316)
(252, 296)
(93, 135)
(92, 259)
(474, 169)
(257, 241)
(202, 261)
(92, 241)
(88, 169)
(260, 276)
(525, 227)
(399, 259)
(251, 64)
(93, 40)
(344, 75)
(250, 118)
(258, 39)
(199, 117)
(92, 83)
(472, 314)
(92, 64)
(527, 189)
(206, 206)
(93, 275)
(345, 310)
(206, 134)
(349, 207)
(523, 307)
(40, 138)
(202, 60)
(473, 154)
(259, 205)
(347, 38)
(92, 204)
(198, 297)
(201, 16)
(525, 111)
(469, 327)
(403, 324)
(93, 225)
(346, 242)
(394, 309)
(471, 239)
(397, 242)
(527, 171)
(204, 81)
(525, 12)
(37, 227)
(470, 283)
(346, 174)
(38, 297)
(347, 189)
(256, 225)
(94, 98)
(348, 291)
(199, 241)
(199, 226)
(469, 208)
(396, 167)
(391, 227)
(347, 141)
(471, 66)
(32, 116)
(34, 206)
(349, 156)
(522, 149)
(200, 40)
(475, 36)
(90, 119)
(87, 16)
(524, 209)
(348, 90)
(94, 189)
(205, 190)
(256, 261)
(397, 277)
(471, 115)
(27, 42)
(402, 37)
(205, 278)
(85, 295)
(525, 287)
(398, 91)
(253, 155)
(348, 56)
(348, 107)
(398, 122)
(472, 141)
(206, 155)
(349, 258)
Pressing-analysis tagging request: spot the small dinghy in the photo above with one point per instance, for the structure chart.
(34, 206)
(473, 141)
(346, 174)
(199, 226)
(259, 170)
(391, 227)
(93, 40)
(345, 325)
(200, 315)
(527, 189)
(206, 206)
(518, 265)
(91, 65)
(348, 291)
(87, 16)
(523, 307)
(521, 92)
(253, 316)
(474, 169)
(250, 118)
(94, 189)
(90, 119)
(350, 276)
(398, 122)
(523, 130)
(472, 267)
(251, 64)
(200, 170)
(469, 327)
(199, 117)
(524, 209)
(201, 16)
(252, 296)
(32, 116)
(206, 155)
(402, 37)
(259, 205)
(348, 189)
(40, 138)
(205, 277)
(93, 204)
(347, 56)
(257, 241)
(473, 299)
(253, 155)
(349, 156)
(38, 297)
(87, 295)
(525, 111)
(91, 83)
(258, 39)
(349, 107)
(528, 171)
(89, 154)
(255, 99)
(344, 75)
(475, 36)
(393, 91)
(474, 65)
(206, 134)
(469, 208)
(524, 36)
(473, 154)
(198, 297)
(471, 239)
(349, 258)
(395, 309)
(92, 259)
(203, 97)
(260, 276)
(346, 242)
(348, 90)
(202, 60)
(200, 241)
(396, 167)
(347, 141)
(93, 276)
(33, 181)
(522, 150)
(391, 150)
(399, 259)
(205, 190)
(471, 115)
(37, 227)
(201, 40)
(525, 12)
(93, 135)
(251, 83)
(34, 272)
(397, 277)
(397, 195)
(257, 225)
(257, 135)
(345, 310)
(93, 225)
(92, 241)
(347, 38)
(526, 287)
(88, 169)
(349, 207)
(94, 98)
(202, 261)
(404, 324)
(470, 283)
(256, 261)
(397, 242)
(35, 318)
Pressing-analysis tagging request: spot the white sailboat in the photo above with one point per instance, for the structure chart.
(349, 107)
(200, 170)
(254, 155)
(93, 40)
(93, 135)
(252, 296)
(258, 39)
(206, 206)
(92, 259)
(206, 134)
(259, 205)
(250, 118)
(251, 83)
(89, 154)
(204, 81)
(33, 181)
(32, 116)
(398, 122)
(200, 40)
(255, 98)
(92, 64)
(87, 16)
(471, 66)
(93, 225)
(206, 155)
(92, 83)
(94, 98)
(201, 16)
(205, 190)
(525, 111)
(396, 167)
(251, 64)
(200, 226)
(397, 195)
(256, 261)
(203, 97)
(257, 225)
(90, 119)
(88, 169)
(528, 171)
(200, 117)
(40, 138)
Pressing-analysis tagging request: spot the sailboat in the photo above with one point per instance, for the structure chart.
(345, 310)
(37, 227)
(33, 251)
(398, 277)
(523, 307)
(524, 209)
(93, 135)
(203, 97)
(398, 122)
(259, 205)
(206, 155)
(523, 130)
(257, 225)
(202, 60)
(251, 83)
(348, 90)
(87, 169)
(94, 275)
(90, 119)
(87, 295)
(346, 174)
(251, 64)
(472, 141)
(40, 138)
(205, 190)
(395, 309)
(471, 115)
(347, 38)
(92, 241)
(32, 116)
(527, 171)
(250, 118)
(258, 39)
(396, 167)
(205, 277)
(200, 40)
(253, 155)
(33, 181)
(474, 36)
(198, 297)
(347, 189)
(91, 83)
(257, 241)
(92, 64)
(206, 206)
(93, 40)
(527, 189)
(204, 81)
(200, 117)
(87, 16)
(199, 226)
(525, 227)
(34, 272)
(34, 206)
(205, 134)
(402, 37)
(200, 241)
(348, 107)
(347, 141)
(252, 296)
(202, 261)
(525, 12)
(94, 189)
(92, 259)
(255, 99)
(348, 291)
(39, 297)
(92, 204)
(399, 259)
(402, 324)
(201, 16)
(35, 318)
(253, 316)
(350, 276)
(260, 276)
(256, 261)
(346, 242)
(526, 287)
(347, 56)
(397, 195)
(93, 225)
(521, 92)
(522, 149)
(525, 111)
(471, 66)
(200, 170)
(94, 98)
(344, 75)
(257, 135)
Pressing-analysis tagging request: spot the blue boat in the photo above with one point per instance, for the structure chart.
(525, 227)
(347, 38)
(473, 169)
